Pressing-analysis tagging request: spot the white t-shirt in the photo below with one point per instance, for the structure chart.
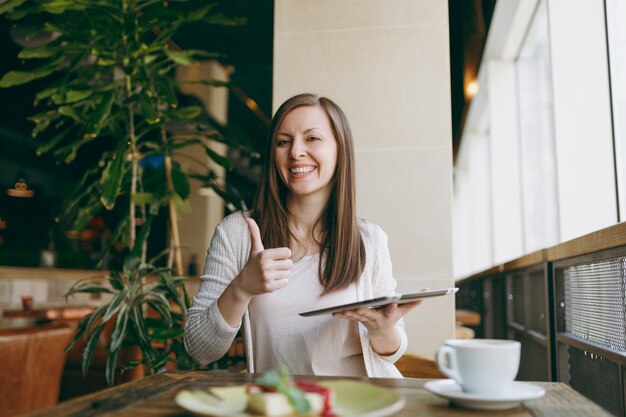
(319, 345)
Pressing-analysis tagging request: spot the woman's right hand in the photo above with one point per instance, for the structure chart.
(267, 270)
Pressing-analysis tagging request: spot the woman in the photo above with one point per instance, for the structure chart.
(301, 249)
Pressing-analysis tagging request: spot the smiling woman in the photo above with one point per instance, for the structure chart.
(306, 155)
(307, 252)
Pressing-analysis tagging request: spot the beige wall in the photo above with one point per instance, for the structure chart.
(196, 228)
(386, 63)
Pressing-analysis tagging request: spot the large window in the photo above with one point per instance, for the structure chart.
(537, 136)
(616, 16)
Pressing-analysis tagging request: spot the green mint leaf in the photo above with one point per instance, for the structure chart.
(281, 381)
(270, 379)
(297, 399)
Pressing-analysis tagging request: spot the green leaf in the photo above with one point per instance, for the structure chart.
(50, 143)
(41, 126)
(233, 200)
(71, 113)
(199, 53)
(83, 189)
(180, 57)
(119, 330)
(94, 317)
(143, 198)
(182, 206)
(148, 110)
(269, 379)
(61, 6)
(131, 263)
(212, 82)
(153, 295)
(111, 179)
(185, 142)
(39, 52)
(164, 335)
(43, 94)
(73, 96)
(80, 330)
(111, 365)
(52, 28)
(181, 182)
(140, 324)
(9, 5)
(199, 14)
(297, 399)
(165, 89)
(85, 214)
(163, 308)
(98, 116)
(141, 238)
(90, 348)
(115, 279)
(186, 113)
(115, 305)
(14, 78)
(103, 62)
(86, 287)
(219, 159)
(154, 323)
(281, 382)
(224, 20)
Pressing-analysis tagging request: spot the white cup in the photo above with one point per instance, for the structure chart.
(480, 366)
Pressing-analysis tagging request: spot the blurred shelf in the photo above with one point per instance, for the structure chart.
(18, 272)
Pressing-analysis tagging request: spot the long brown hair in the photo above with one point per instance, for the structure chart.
(342, 253)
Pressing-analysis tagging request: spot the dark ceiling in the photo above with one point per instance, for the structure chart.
(469, 25)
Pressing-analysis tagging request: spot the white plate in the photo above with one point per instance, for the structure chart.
(352, 398)
(510, 397)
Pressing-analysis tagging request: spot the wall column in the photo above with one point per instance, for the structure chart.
(386, 63)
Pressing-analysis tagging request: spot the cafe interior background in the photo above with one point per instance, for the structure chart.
(490, 145)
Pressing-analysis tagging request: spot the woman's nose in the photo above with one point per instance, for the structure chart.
(297, 149)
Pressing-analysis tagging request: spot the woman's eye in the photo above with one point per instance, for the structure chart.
(282, 142)
(313, 138)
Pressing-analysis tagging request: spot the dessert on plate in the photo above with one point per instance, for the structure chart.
(276, 394)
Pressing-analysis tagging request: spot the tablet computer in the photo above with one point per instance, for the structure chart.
(383, 301)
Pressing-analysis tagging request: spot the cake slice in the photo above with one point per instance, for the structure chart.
(276, 404)
(276, 394)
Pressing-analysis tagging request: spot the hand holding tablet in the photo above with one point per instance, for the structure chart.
(383, 301)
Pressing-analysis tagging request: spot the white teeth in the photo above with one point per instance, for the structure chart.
(301, 170)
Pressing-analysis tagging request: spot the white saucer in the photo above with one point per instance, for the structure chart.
(510, 397)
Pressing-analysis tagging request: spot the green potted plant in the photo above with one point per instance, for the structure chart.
(111, 90)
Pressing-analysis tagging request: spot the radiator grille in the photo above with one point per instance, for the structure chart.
(595, 302)
(537, 302)
(595, 377)
(517, 297)
(533, 360)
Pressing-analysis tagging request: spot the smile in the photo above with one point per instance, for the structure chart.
(301, 170)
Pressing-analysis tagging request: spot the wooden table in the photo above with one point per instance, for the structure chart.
(154, 396)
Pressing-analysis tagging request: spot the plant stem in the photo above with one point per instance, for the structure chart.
(178, 260)
(135, 169)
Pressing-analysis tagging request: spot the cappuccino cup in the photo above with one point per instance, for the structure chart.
(480, 366)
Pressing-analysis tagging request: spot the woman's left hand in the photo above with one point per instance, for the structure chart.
(381, 324)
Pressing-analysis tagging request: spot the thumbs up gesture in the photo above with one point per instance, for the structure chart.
(267, 270)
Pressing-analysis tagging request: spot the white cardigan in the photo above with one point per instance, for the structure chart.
(208, 337)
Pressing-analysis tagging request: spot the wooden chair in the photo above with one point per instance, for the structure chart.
(416, 366)
(32, 364)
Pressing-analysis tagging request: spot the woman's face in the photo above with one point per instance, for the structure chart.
(306, 151)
